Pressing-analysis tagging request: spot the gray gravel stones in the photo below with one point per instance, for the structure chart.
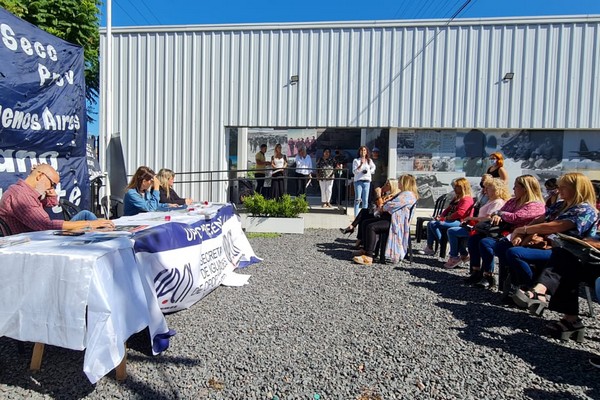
(313, 325)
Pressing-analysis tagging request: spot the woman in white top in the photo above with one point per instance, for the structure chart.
(362, 167)
(497, 193)
(279, 164)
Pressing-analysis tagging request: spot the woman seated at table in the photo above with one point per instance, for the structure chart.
(167, 194)
(459, 208)
(526, 205)
(395, 219)
(497, 193)
(574, 214)
(142, 194)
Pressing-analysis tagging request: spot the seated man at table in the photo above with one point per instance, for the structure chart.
(22, 205)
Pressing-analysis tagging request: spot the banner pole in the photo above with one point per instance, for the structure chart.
(108, 128)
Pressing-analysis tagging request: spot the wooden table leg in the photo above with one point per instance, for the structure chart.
(36, 357)
(121, 370)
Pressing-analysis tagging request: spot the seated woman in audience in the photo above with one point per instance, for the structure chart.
(497, 194)
(167, 194)
(459, 208)
(574, 214)
(526, 204)
(496, 169)
(551, 191)
(382, 194)
(398, 225)
(561, 279)
(482, 197)
(142, 193)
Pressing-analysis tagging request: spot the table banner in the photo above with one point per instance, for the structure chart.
(184, 263)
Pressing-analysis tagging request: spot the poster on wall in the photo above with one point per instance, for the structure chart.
(42, 108)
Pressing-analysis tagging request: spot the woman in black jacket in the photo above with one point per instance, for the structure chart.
(167, 194)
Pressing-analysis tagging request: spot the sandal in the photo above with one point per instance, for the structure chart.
(565, 330)
(531, 300)
(364, 260)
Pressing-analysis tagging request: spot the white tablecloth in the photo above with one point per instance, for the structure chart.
(49, 282)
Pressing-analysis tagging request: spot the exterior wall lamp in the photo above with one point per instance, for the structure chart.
(508, 76)
(294, 79)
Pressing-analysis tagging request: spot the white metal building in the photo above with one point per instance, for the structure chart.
(178, 89)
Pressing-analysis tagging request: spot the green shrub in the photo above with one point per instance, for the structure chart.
(286, 207)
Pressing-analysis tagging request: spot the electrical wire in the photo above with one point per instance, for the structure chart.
(151, 12)
(126, 13)
(139, 12)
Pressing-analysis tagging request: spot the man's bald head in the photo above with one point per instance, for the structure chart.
(48, 170)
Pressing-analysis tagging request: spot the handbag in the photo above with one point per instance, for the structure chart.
(486, 228)
(580, 249)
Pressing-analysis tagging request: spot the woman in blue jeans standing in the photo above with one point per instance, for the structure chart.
(459, 208)
(362, 167)
(526, 205)
(575, 214)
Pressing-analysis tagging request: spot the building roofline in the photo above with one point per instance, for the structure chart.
(562, 19)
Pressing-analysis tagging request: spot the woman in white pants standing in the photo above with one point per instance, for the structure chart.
(325, 166)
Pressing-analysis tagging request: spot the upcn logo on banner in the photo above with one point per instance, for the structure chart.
(42, 108)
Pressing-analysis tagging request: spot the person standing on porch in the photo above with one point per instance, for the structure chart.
(303, 171)
(363, 168)
(261, 164)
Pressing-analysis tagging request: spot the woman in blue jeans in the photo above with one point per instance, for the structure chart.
(526, 205)
(575, 214)
(459, 208)
(496, 192)
(362, 167)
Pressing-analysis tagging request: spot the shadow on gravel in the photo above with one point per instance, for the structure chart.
(62, 377)
(339, 249)
(485, 317)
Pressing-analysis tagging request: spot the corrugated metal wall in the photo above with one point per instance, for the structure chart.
(177, 88)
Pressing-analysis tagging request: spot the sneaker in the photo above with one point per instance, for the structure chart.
(595, 361)
(452, 262)
(465, 258)
(428, 251)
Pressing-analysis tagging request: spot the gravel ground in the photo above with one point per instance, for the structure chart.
(313, 325)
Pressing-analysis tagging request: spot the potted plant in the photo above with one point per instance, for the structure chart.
(273, 215)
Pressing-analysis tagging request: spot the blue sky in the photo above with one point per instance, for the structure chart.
(192, 12)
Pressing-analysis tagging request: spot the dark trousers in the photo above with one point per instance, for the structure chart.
(338, 194)
(562, 278)
(372, 228)
(301, 181)
(260, 182)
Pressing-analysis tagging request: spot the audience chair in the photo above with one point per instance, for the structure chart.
(115, 210)
(68, 209)
(4, 229)
(437, 210)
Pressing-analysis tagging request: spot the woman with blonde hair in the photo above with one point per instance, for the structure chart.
(496, 169)
(142, 194)
(398, 225)
(497, 193)
(526, 205)
(167, 194)
(574, 214)
(459, 208)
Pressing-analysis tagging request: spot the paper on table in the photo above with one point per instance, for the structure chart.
(234, 280)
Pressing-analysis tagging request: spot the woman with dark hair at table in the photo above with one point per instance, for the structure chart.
(142, 193)
(167, 194)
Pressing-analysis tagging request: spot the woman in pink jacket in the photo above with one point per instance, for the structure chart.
(526, 205)
(459, 208)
